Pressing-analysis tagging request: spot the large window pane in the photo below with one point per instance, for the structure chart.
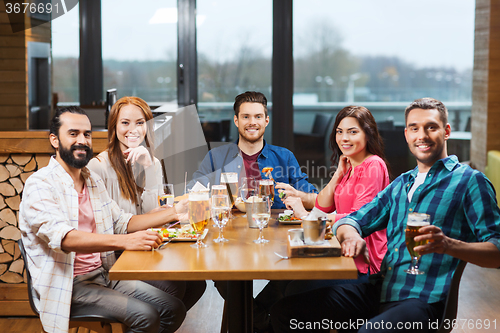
(234, 54)
(65, 54)
(382, 55)
(382, 52)
(139, 48)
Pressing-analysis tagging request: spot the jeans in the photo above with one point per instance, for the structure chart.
(189, 292)
(141, 307)
(352, 308)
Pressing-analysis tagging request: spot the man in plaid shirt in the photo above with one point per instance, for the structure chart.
(70, 228)
(465, 225)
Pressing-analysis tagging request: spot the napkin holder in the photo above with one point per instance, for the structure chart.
(329, 248)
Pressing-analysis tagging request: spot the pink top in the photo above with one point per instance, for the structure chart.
(369, 178)
(86, 262)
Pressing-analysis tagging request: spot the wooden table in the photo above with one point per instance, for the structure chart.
(239, 261)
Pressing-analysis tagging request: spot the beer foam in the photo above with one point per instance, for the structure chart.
(198, 196)
(417, 223)
(266, 182)
(230, 177)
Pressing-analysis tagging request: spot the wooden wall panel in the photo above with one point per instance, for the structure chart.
(13, 77)
(486, 82)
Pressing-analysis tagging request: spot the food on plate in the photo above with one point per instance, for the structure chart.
(185, 232)
(288, 218)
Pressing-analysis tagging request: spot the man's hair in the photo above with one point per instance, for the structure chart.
(55, 123)
(428, 103)
(249, 97)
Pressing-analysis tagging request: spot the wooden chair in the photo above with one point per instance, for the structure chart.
(451, 307)
(94, 322)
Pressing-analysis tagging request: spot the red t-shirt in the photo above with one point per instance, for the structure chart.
(251, 165)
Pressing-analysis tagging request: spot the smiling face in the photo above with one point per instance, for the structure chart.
(251, 122)
(426, 136)
(130, 127)
(351, 139)
(73, 143)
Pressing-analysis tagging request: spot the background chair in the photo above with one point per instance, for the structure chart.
(451, 307)
(94, 322)
(312, 146)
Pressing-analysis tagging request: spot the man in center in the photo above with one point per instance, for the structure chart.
(251, 153)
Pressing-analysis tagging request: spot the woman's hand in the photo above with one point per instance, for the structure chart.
(295, 203)
(343, 166)
(140, 155)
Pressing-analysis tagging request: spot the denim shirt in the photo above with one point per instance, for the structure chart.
(227, 158)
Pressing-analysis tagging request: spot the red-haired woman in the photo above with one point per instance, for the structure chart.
(132, 175)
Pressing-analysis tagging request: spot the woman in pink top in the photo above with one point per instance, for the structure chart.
(361, 173)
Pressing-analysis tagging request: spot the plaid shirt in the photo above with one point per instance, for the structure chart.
(461, 201)
(48, 211)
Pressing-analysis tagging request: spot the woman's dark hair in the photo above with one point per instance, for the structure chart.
(374, 142)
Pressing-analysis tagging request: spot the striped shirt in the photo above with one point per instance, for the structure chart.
(48, 211)
(461, 201)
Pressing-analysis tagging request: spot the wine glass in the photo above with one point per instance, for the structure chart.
(199, 214)
(261, 212)
(414, 223)
(166, 195)
(248, 186)
(220, 214)
(219, 190)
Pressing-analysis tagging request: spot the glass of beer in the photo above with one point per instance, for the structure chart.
(266, 189)
(230, 179)
(166, 195)
(199, 214)
(220, 214)
(414, 223)
(261, 212)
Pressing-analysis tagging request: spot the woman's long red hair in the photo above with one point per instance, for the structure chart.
(130, 186)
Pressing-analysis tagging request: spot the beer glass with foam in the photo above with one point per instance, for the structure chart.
(414, 223)
(199, 214)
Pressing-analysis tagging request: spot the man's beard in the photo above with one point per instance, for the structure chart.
(67, 155)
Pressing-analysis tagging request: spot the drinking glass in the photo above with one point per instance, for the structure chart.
(219, 190)
(199, 214)
(248, 186)
(230, 179)
(220, 214)
(166, 195)
(414, 223)
(261, 212)
(266, 188)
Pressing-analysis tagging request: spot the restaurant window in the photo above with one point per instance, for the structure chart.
(234, 47)
(139, 49)
(382, 55)
(65, 54)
